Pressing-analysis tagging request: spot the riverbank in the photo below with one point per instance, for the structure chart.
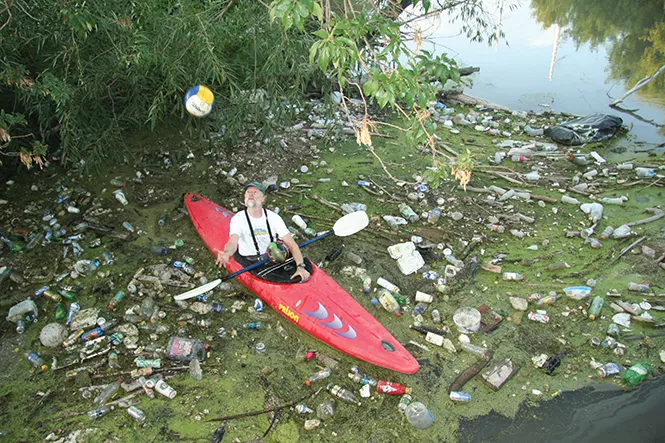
(162, 168)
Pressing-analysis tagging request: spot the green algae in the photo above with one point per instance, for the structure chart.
(231, 382)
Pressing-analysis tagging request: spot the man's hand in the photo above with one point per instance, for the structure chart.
(302, 273)
(222, 258)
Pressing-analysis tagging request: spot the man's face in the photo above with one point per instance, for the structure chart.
(253, 197)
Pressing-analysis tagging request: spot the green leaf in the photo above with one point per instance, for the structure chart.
(324, 59)
(321, 33)
(317, 11)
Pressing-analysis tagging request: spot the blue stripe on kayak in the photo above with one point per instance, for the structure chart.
(320, 313)
(335, 324)
(351, 333)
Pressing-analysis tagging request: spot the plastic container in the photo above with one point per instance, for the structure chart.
(467, 320)
(474, 349)
(513, 276)
(577, 292)
(326, 409)
(120, 196)
(163, 388)
(419, 416)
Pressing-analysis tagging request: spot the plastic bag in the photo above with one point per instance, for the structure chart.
(592, 128)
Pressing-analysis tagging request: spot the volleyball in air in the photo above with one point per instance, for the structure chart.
(199, 101)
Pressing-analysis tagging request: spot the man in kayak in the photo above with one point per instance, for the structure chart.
(253, 229)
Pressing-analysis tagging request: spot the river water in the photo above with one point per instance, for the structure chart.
(537, 67)
(579, 67)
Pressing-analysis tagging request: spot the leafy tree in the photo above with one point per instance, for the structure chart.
(363, 46)
(85, 73)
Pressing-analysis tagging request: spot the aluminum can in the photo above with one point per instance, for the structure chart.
(136, 413)
(460, 396)
(609, 369)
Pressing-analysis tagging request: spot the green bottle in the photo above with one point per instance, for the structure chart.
(636, 374)
(60, 313)
(596, 306)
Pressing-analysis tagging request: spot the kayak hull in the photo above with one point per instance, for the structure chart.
(319, 306)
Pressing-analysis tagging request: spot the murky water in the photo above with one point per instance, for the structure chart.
(578, 66)
(599, 413)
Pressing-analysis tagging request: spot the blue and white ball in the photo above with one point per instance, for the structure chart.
(199, 101)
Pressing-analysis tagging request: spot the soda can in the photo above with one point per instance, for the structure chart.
(95, 243)
(136, 414)
(117, 338)
(202, 298)
(364, 183)
(609, 343)
(148, 363)
(216, 307)
(73, 338)
(436, 316)
(260, 348)
(609, 369)
(460, 396)
(52, 295)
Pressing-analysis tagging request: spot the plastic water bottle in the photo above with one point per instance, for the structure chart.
(96, 413)
(622, 231)
(320, 375)
(107, 393)
(419, 416)
(388, 302)
(115, 300)
(645, 172)
(35, 360)
(638, 287)
(342, 394)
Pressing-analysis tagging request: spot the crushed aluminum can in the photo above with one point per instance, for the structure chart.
(609, 370)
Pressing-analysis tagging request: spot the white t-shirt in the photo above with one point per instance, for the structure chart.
(245, 243)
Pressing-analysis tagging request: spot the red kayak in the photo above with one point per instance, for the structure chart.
(320, 306)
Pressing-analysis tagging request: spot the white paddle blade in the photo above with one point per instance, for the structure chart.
(351, 223)
(198, 291)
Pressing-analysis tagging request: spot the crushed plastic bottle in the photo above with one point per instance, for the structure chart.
(107, 393)
(636, 374)
(577, 292)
